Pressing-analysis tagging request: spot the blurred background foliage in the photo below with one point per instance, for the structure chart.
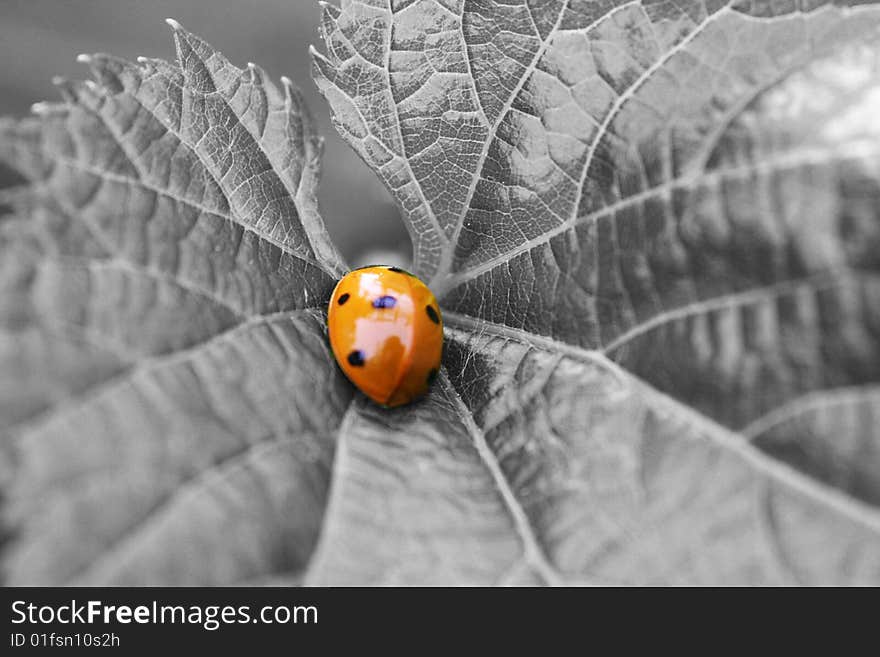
(40, 39)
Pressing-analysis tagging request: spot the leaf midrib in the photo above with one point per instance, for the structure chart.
(443, 279)
(707, 428)
(446, 264)
(206, 167)
(165, 193)
(258, 76)
(22, 430)
(802, 157)
(126, 540)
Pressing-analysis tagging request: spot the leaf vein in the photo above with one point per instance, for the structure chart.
(724, 438)
(534, 553)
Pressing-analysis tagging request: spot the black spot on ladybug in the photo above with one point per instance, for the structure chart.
(356, 358)
(432, 376)
(398, 270)
(384, 302)
(343, 298)
(432, 314)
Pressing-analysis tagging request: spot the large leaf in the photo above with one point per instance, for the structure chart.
(167, 398)
(655, 231)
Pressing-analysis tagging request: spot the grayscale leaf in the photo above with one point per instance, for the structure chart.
(168, 403)
(654, 229)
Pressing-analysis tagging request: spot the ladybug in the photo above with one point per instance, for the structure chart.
(386, 333)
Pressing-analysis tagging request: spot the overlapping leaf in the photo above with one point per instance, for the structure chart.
(168, 399)
(655, 230)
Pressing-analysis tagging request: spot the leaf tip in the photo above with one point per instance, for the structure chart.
(41, 108)
(316, 54)
(329, 9)
(291, 92)
(177, 27)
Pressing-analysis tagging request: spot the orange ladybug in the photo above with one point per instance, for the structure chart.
(386, 333)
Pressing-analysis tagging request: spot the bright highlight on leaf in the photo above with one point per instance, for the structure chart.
(653, 229)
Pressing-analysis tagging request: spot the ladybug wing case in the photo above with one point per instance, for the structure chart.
(386, 333)
(427, 347)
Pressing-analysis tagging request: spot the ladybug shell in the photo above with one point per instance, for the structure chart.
(386, 333)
